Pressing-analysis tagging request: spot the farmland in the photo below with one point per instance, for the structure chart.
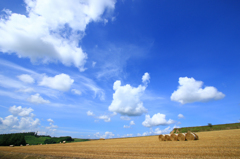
(211, 144)
(209, 128)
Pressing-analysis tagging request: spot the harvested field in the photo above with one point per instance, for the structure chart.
(212, 144)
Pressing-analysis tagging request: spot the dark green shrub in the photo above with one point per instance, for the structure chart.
(13, 139)
(58, 139)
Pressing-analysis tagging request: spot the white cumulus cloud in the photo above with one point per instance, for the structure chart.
(146, 78)
(105, 118)
(19, 111)
(157, 119)
(20, 120)
(37, 99)
(60, 82)
(51, 127)
(26, 78)
(158, 131)
(132, 123)
(9, 121)
(190, 90)
(27, 122)
(50, 120)
(128, 126)
(107, 134)
(89, 113)
(51, 29)
(180, 116)
(126, 99)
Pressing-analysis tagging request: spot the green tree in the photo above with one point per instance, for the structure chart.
(210, 125)
(13, 139)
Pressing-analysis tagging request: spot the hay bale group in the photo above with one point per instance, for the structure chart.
(179, 137)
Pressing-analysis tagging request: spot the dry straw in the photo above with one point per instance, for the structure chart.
(167, 137)
(161, 137)
(196, 135)
(191, 136)
(182, 136)
(178, 137)
(174, 137)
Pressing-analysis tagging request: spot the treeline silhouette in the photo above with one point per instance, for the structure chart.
(18, 139)
(58, 140)
(28, 134)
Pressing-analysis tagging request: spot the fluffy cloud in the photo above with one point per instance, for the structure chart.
(132, 123)
(146, 78)
(180, 116)
(157, 119)
(60, 82)
(128, 126)
(26, 78)
(27, 122)
(50, 120)
(37, 99)
(9, 121)
(128, 135)
(75, 91)
(89, 113)
(105, 118)
(158, 131)
(51, 29)
(189, 91)
(20, 120)
(19, 111)
(51, 127)
(106, 135)
(126, 99)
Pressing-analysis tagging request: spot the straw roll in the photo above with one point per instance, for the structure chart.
(174, 137)
(161, 137)
(182, 136)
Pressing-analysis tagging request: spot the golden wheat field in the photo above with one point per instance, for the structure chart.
(213, 144)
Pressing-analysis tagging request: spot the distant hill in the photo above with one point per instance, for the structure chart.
(209, 127)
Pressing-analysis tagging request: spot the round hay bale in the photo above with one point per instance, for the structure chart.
(191, 136)
(167, 137)
(182, 136)
(174, 137)
(161, 137)
(196, 136)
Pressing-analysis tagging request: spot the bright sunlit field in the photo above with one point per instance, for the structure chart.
(213, 144)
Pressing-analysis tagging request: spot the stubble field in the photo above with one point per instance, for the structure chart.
(212, 144)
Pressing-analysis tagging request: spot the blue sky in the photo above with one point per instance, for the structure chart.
(107, 68)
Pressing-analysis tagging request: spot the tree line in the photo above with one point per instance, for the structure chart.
(18, 139)
(12, 139)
